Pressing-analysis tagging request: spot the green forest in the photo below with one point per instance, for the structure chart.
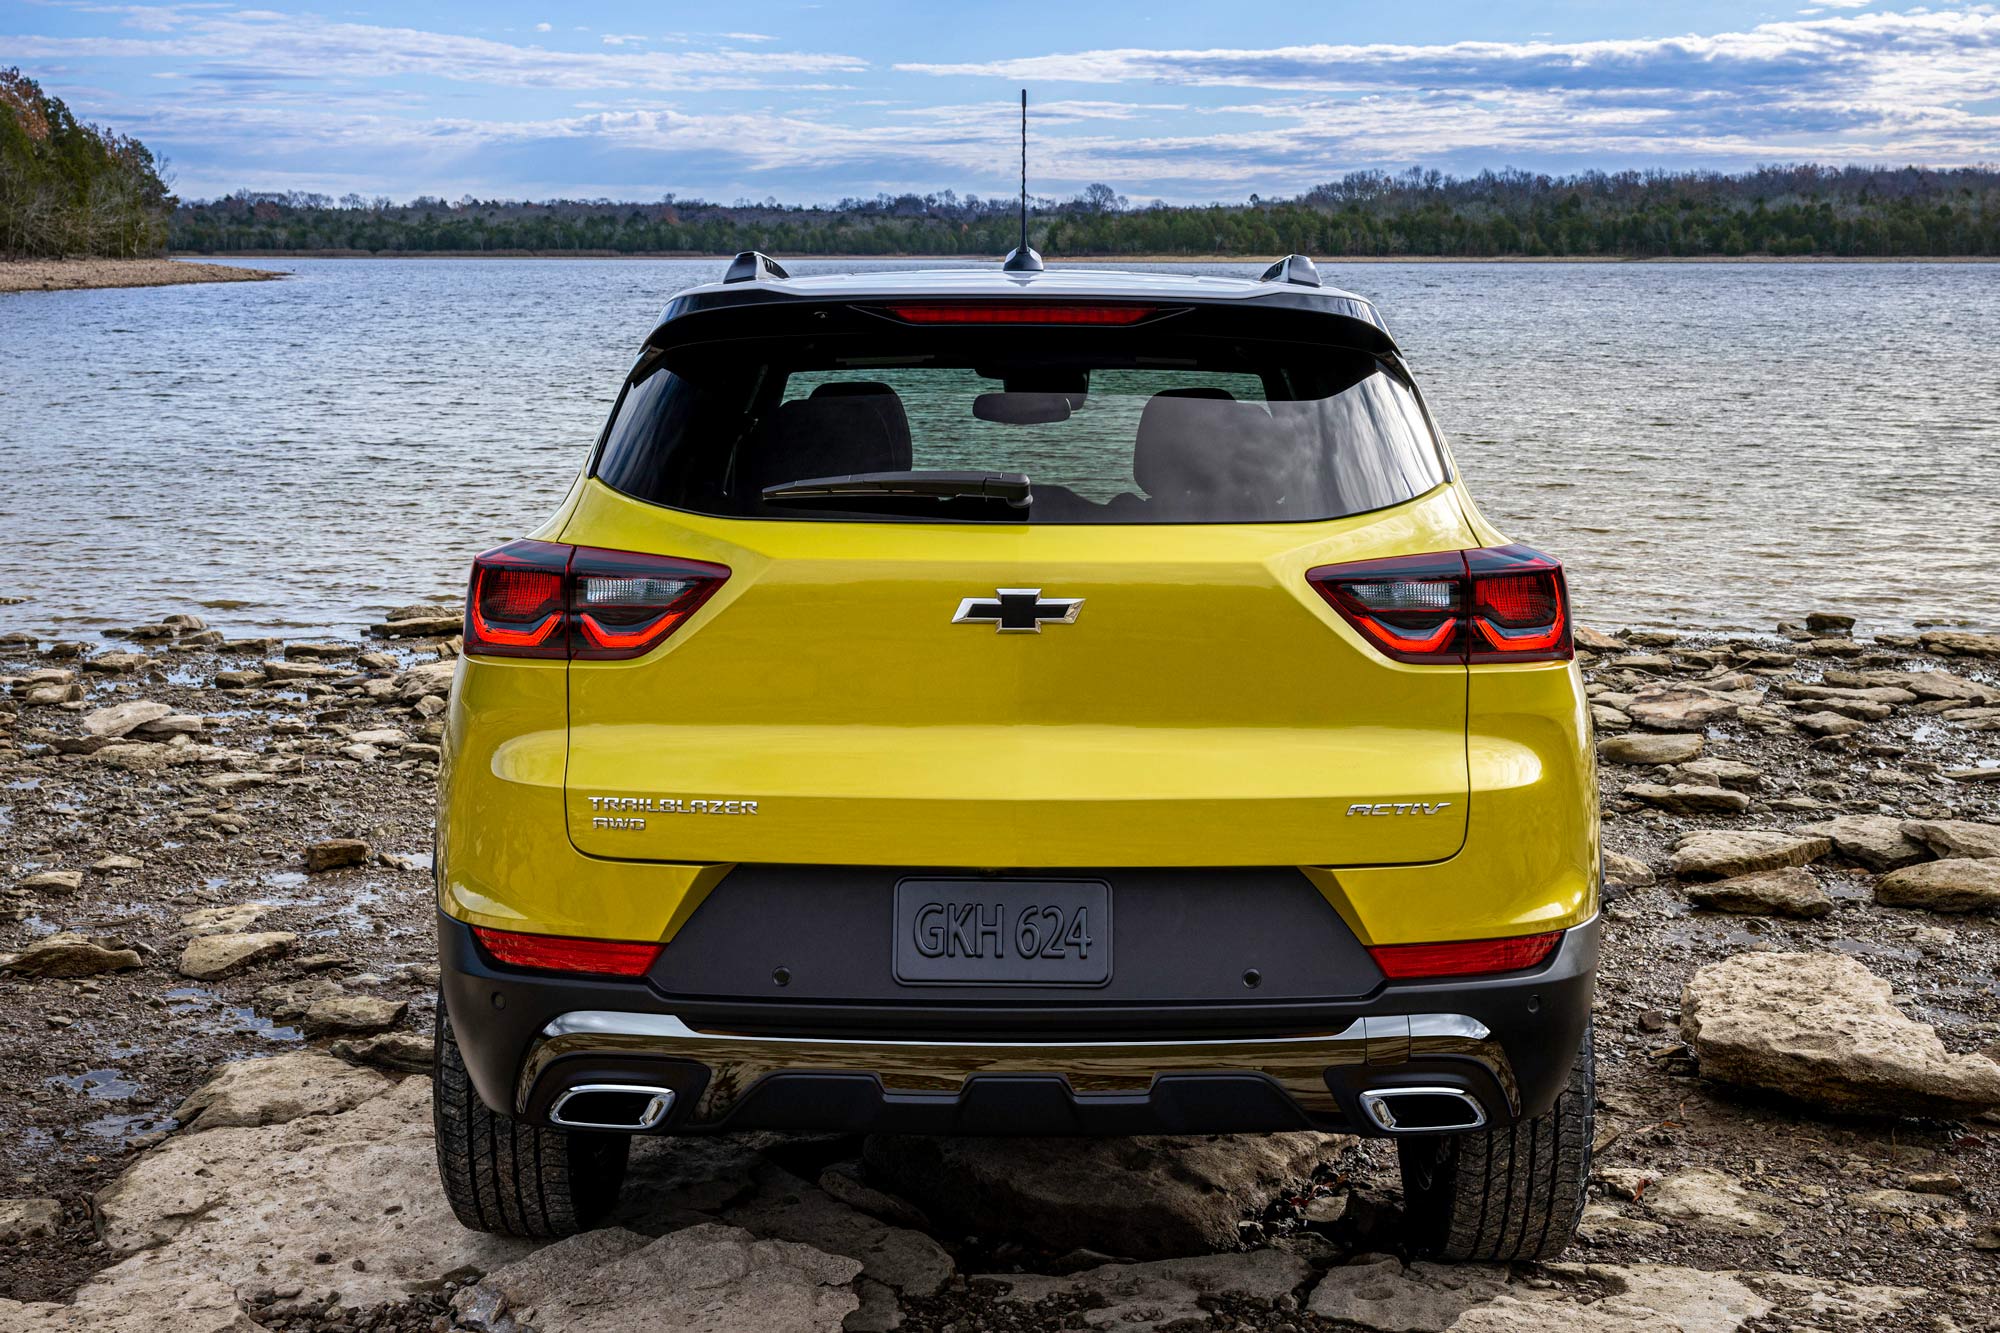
(67, 188)
(1779, 211)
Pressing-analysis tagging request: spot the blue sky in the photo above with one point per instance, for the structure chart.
(1184, 102)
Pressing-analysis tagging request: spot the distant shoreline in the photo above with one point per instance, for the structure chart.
(1109, 259)
(68, 275)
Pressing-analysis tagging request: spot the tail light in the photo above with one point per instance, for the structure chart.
(544, 599)
(561, 953)
(1463, 958)
(1495, 604)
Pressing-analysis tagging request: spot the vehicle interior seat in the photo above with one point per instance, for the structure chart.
(859, 426)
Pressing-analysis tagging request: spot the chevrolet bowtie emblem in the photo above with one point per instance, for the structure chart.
(1018, 610)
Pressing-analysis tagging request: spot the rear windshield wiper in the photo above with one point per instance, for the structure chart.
(1010, 488)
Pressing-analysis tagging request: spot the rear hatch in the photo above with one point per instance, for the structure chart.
(1132, 671)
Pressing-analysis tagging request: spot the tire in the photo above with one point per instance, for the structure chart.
(512, 1178)
(1505, 1194)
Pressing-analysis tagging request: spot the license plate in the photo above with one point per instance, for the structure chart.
(971, 932)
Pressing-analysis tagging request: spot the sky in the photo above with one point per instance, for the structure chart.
(808, 103)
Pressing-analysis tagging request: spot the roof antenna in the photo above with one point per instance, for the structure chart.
(1022, 259)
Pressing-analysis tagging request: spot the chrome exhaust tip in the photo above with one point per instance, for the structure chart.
(1421, 1110)
(627, 1108)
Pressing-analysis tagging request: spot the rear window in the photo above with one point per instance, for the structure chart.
(1129, 426)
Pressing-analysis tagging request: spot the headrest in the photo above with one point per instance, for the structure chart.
(828, 435)
(1202, 450)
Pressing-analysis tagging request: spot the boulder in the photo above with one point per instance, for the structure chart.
(1829, 622)
(785, 1207)
(1711, 1201)
(1713, 854)
(1597, 641)
(353, 1015)
(68, 955)
(1790, 891)
(1822, 1029)
(1684, 799)
(1955, 837)
(1680, 709)
(705, 1279)
(335, 854)
(209, 956)
(296, 1204)
(1954, 885)
(1874, 841)
(425, 678)
(1164, 1294)
(278, 1090)
(121, 718)
(1143, 1197)
(1647, 749)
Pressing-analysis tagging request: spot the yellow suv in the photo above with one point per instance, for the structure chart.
(1019, 702)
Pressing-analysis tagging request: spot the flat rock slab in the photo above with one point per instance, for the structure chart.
(785, 1207)
(1955, 837)
(1874, 841)
(1684, 798)
(1592, 1298)
(210, 956)
(334, 854)
(278, 1090)
(1712, 1201)
(258, 1206)
(68, 955)
(191, 1307)
(1791, 891)
(122, 718)
(1648, 750)
(1143, 1198)
(1164, 1294)
(1713, 854)
(1954, 885)
(705, 1279)
(1821, 1029)
(353, 1015)
(1687, 710)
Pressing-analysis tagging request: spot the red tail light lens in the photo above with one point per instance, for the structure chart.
(1463, 958)
(560, 953)
(541, 599)
(1496, 604)
(1019, 312)
(515, 605)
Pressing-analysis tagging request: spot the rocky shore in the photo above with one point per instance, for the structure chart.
(61, 275)
(216, 980)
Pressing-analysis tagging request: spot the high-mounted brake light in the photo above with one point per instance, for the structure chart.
(1463, 958)
(544, 599)
(1019, 312)
(561, 953)
(1495, 604)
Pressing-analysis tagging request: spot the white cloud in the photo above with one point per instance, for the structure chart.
(544, 27)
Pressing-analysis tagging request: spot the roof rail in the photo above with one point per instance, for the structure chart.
(754, 266)
(1295, 269)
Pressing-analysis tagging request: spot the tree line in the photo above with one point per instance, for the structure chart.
(67, 188)
(1781, 211)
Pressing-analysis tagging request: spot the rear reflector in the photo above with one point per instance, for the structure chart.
(1495, 604)
(560, 953)
(544, 599)
(1463, 958)
(1019, 312)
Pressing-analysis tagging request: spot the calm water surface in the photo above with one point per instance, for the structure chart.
(1708, 446)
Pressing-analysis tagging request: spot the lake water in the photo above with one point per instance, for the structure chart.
(1707, 446)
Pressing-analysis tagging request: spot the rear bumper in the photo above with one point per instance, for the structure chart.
(1503, 1043)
